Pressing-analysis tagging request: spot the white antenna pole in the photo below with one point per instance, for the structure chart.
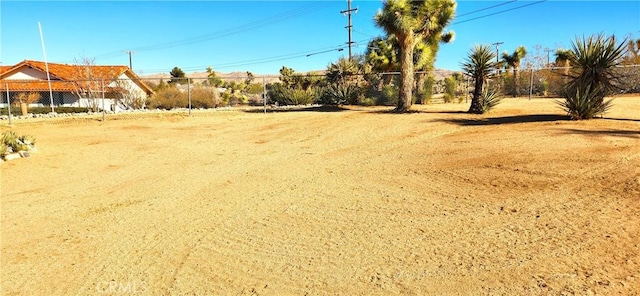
(46, 65)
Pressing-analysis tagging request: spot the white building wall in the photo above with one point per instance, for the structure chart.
(26, 73)
(129, 85)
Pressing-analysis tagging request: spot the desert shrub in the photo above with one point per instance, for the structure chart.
(255, 100)
(337, 94)
(233, 97)
(301, 97)
(367, 101)
(388, 96)
(450, 85)
(425, 94)
(15, 143)
(254, 88)
(169, 98)
(282, 95)
(206, 98)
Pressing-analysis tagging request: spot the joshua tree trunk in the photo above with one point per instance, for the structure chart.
(476, 105)
(24, 108)
(406, 73)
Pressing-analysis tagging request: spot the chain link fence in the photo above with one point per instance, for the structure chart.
(36, 98)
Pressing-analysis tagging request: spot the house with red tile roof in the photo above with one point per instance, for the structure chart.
(73, 85)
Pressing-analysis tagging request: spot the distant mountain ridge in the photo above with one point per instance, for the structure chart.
(230, 76)
(241, 76)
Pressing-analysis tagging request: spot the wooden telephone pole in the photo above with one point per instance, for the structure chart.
(348, 12)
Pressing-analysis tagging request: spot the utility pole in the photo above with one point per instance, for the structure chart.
(130, 53)
(497, 44)
(348, 13)
(547, 50)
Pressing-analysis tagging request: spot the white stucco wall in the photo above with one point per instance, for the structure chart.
(26, 73)
(128, 84)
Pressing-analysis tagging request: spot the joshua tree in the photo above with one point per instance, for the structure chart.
(592, 76)
(479, 65)
(562, 60)
(513, 61)
(412, 22)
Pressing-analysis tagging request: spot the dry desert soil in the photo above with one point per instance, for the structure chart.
(326, 201)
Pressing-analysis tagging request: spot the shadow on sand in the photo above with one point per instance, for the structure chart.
(393, 111)
(324, 108)
(611, 132)
(509, 119)
(621, 119)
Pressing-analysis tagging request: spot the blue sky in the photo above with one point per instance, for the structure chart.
(263, 36)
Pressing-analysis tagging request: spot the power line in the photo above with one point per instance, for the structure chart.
(486, 8)
(476, 18)
(229, 31)
(304, 54)
(264, 60)
(499, 12)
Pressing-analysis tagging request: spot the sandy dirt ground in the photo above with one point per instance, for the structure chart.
(520, 201)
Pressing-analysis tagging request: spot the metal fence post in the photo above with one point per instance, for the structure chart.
(264, 94)
(531, 85)
(189, 93)
(103, 109)
(8, 102)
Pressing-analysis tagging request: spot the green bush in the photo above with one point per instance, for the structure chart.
(450, 85)
(388, 96)
(337, 94)
(367, 102)
(282, 95)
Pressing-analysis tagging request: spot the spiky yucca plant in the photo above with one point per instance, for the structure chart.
(4, 150)
(10, 139)
(490, 98)
(593, 76)
(27, 139)
(479, 65)
(15, 143)
(585, 103)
